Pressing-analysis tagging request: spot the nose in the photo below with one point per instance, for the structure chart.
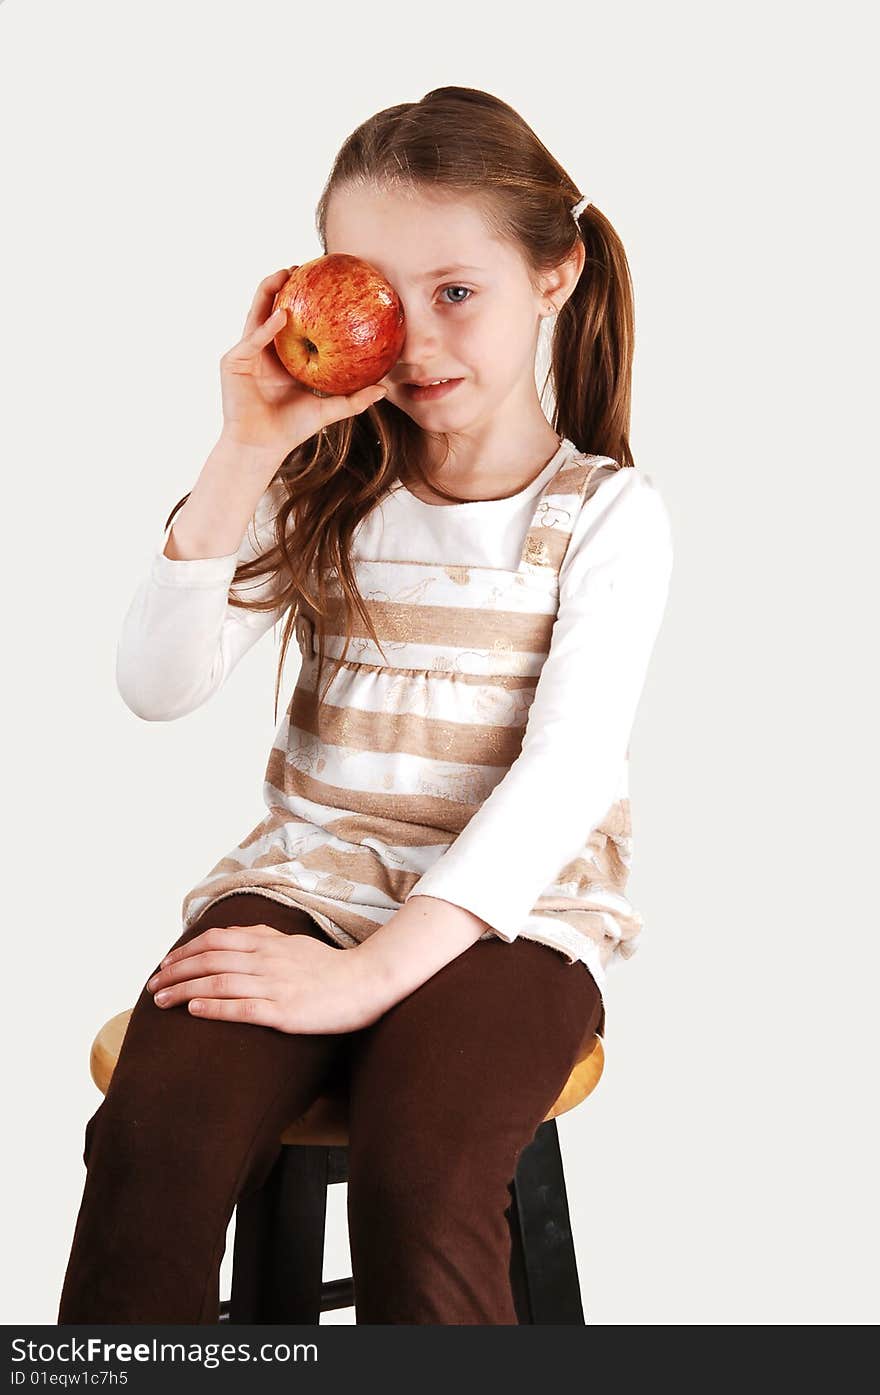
(421, 346)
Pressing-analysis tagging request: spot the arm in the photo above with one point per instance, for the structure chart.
(180, 639)
(613, 589)
(413, 945)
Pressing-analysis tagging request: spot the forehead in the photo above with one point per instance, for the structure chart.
(407, 234)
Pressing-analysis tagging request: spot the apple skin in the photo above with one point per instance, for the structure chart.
(345, 324)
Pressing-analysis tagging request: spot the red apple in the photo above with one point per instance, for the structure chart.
(345, 324)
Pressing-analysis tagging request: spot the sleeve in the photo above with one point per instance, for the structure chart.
(180, 638)
(613, 587)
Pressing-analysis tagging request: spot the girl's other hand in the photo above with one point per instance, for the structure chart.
(257, 974)
(263, 406)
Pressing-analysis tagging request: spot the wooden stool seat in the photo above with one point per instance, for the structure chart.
(325, 1122)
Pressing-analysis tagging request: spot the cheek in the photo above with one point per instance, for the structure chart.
(504, 329)
(489, 344)
(477, 345)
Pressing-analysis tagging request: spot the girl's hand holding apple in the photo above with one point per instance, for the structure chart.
(264, 408)
(267, 411)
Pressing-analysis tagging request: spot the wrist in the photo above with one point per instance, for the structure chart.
(231, 454)
(213, 521)
(381, 986)
(414, 944)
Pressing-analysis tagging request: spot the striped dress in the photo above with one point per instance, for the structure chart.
(365, 793)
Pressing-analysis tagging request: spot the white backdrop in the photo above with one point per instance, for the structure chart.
(160, 160)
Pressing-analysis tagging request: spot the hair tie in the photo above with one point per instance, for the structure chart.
(579, 207)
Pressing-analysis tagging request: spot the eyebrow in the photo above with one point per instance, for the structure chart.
(448, 270)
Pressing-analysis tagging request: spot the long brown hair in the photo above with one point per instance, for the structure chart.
(470, 144)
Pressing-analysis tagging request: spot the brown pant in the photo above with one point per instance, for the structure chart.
(445, 1091)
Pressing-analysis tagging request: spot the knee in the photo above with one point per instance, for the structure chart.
(119, 1134)
(121, 1142)
(405, 1180)
(90, 1134)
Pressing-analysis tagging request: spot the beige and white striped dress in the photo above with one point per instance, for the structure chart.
(364, 796)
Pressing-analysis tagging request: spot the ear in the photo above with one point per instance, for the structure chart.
(559, 284)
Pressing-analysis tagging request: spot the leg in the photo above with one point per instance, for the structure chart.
(279, 1242)
(543, 1268)
(446, 1090)
(192, 1120)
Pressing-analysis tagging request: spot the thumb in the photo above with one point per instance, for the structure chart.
(374, 393)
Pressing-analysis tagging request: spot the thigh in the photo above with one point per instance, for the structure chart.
(466, 1067)
(211, 1082)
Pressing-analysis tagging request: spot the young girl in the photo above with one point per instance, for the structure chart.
(451, 807)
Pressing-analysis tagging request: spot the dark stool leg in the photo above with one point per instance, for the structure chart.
(279, 1242)
(543, 1269)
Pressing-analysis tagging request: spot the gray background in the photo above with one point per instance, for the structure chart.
(160, 160)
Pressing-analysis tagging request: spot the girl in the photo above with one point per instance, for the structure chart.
(451, 807)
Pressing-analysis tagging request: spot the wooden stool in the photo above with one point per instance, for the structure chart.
(279, 1229)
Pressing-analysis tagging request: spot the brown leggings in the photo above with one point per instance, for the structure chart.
(445, 1090)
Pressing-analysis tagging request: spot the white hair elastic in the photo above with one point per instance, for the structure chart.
(579, 207)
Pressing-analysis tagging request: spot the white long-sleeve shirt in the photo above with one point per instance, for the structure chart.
(561, 802)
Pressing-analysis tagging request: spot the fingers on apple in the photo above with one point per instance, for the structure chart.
(269, 286)
(263, 333)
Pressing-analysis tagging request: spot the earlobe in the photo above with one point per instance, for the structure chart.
(565, 283)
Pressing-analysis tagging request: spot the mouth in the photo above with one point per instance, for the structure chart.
(427, 391)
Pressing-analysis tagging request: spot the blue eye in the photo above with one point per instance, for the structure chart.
(467, 291)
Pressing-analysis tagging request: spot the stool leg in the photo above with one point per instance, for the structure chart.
(543, 1268)
(279, 1242)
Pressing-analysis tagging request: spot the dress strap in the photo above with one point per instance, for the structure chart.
(549, 533)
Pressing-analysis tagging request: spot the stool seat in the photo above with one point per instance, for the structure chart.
(325, 1122)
